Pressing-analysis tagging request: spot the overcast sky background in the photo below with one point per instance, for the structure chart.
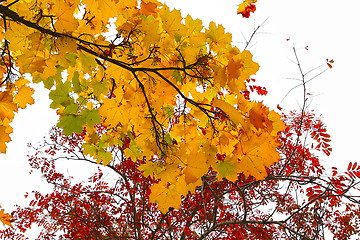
(329, 29)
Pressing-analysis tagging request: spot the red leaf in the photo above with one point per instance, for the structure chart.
(349, 166)
(354, 166)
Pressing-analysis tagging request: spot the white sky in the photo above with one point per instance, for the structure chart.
(330, 29)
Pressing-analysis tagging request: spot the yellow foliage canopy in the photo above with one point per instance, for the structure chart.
(168, 91)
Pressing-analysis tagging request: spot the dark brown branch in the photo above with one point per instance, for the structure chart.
(159, 136)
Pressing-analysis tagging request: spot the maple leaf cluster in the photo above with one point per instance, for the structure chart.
(164, 88)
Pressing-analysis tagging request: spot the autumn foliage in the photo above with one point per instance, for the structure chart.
(153, 54)
(164, 104)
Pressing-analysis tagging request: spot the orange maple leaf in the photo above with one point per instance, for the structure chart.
(258, 116)
(246, 8)
(5, 218)
(149, 7)
(7, 106)
(5, 130)
(24, 96)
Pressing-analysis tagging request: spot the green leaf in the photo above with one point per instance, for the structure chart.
(87, 61)
(168, 139)
(71, 57)
(97, 152)
(177, 76)
(76, 83)
(91, 117)
(90, 149)
(60, 95)
(99, 87)
(169, 111)
(104, 156)
(177, 37)
(71, 109)
(227, 169)
(71, 123)
(133, 151)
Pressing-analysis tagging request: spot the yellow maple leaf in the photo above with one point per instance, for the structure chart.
(171, 22)
(226, 143)
(7, 106)
(64, 12)
(24, 96)
(220, 76)
(249, 66)
(184, 131)
(87, 61)
(5, 130)
(257, 152)
(30, 62)
(168, 195)
(133, 151)
(128, 3)
(108, 9)
(50, 69)
(240, 67)
(235, 115)
(170, 172)
(21, 81)
(218, 37)
(194, 26)
(195, 168)
(17, 35)
(111, 111)
(150, 28)
(146, 141)
(277, 124)
(91, 6)
(65, 45)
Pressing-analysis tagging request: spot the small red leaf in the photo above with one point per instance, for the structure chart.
(349, 166)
